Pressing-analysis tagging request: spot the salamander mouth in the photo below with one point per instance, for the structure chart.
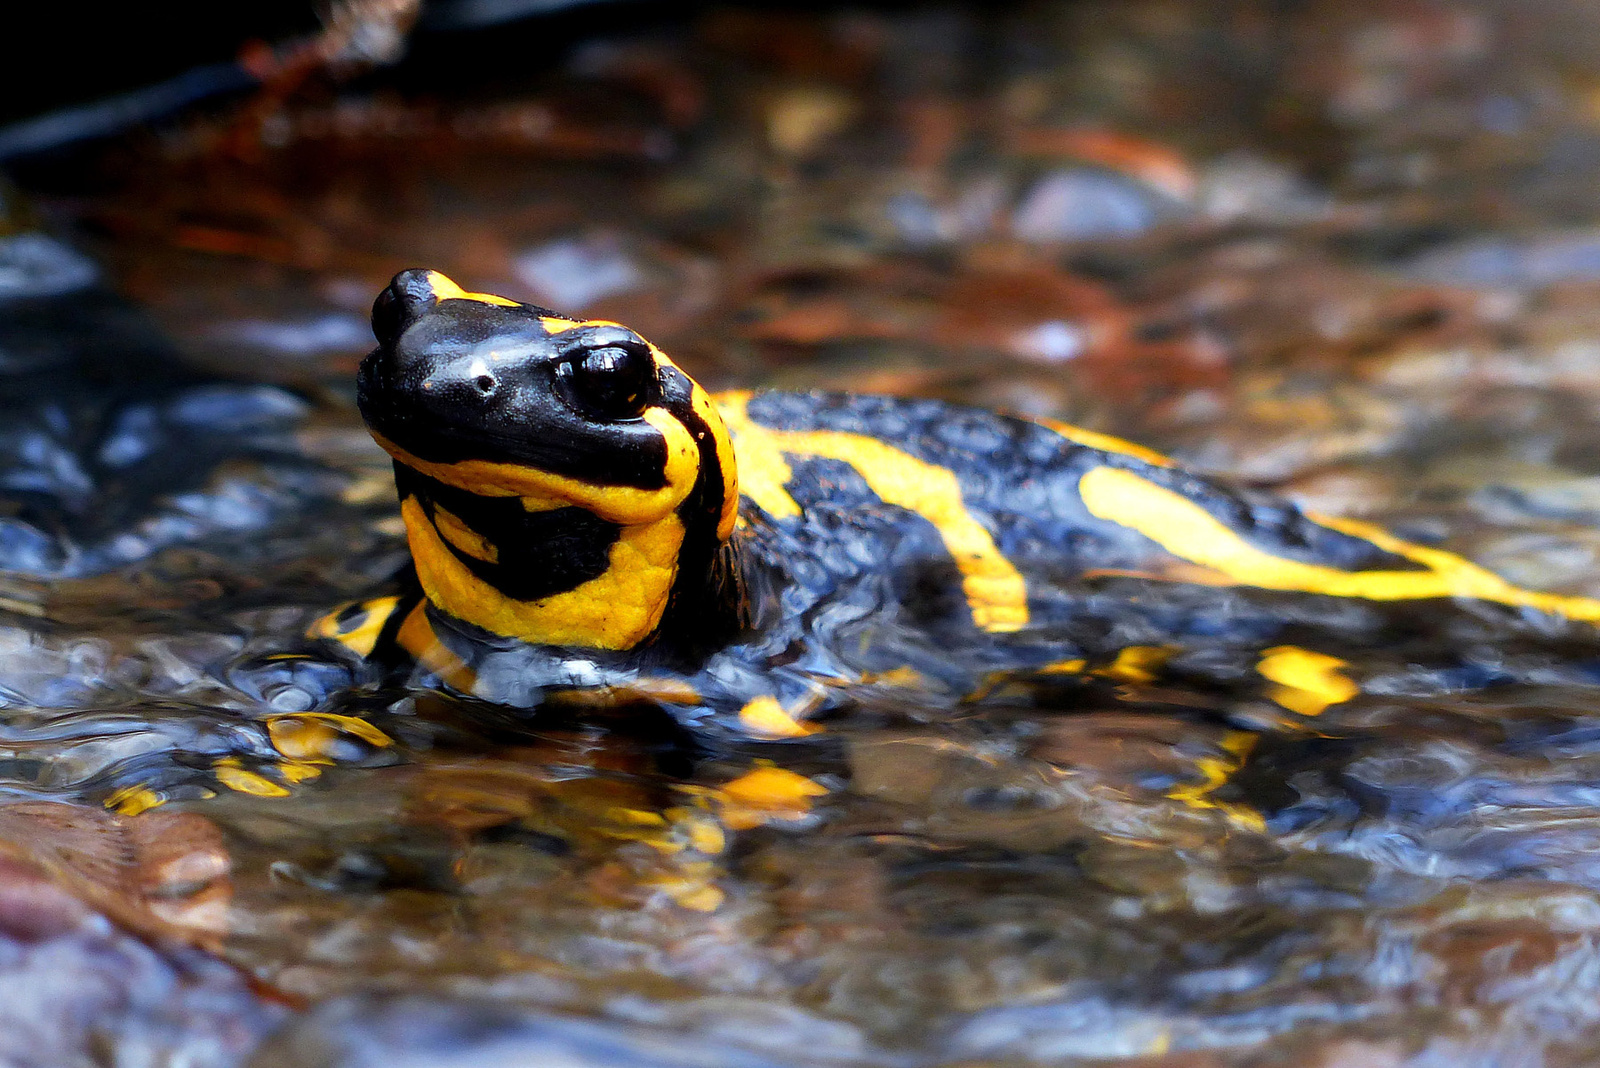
(541, 438)
(395, 415)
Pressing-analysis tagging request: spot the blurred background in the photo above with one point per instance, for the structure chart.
(1274, 237)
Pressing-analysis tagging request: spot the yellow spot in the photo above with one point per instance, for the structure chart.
(704, 898)
(904, 676)
(416, 637)
(361, 632)
(773, 787)
(1105, 442)
(308, 737)
(705, 836)
(994, 589)
(445, 289)
(799, 118)
(690, 885)
(1214, 772)
(1307, 682)
(1189, 532)
(556, 325)
(231, 775)
(697, 827)
(1065, 667)
(132, 800)
(766, 717)
(628, 505)
(463, 537)
(295, 772)
(662, 841)
(637, 817)
(764, 795)
(616, 610)
(1138, 664)
(644, 826)
(301, 739)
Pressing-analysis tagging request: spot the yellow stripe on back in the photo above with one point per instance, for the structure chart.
(555, 325)
(1104, 442)
(1189, 532)
(995, 590)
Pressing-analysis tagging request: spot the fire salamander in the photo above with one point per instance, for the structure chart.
(583, 517)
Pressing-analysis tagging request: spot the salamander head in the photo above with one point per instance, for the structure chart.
(562, 481)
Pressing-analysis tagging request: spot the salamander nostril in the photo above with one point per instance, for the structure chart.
(485, 384)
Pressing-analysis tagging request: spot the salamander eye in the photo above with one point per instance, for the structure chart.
(609, 382)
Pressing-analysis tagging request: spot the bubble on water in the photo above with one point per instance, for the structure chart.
(27, 549)
(574, 273)
(35, 265)
(236, 408)
(1080, 203)
(135, 433)
(291, 699)
(318, 336)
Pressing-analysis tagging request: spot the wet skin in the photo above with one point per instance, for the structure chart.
(594, 536)
(581, 514)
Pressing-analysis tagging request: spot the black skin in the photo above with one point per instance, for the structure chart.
(809, 609)
(433, 388)
(460, 379)
(853, 585)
